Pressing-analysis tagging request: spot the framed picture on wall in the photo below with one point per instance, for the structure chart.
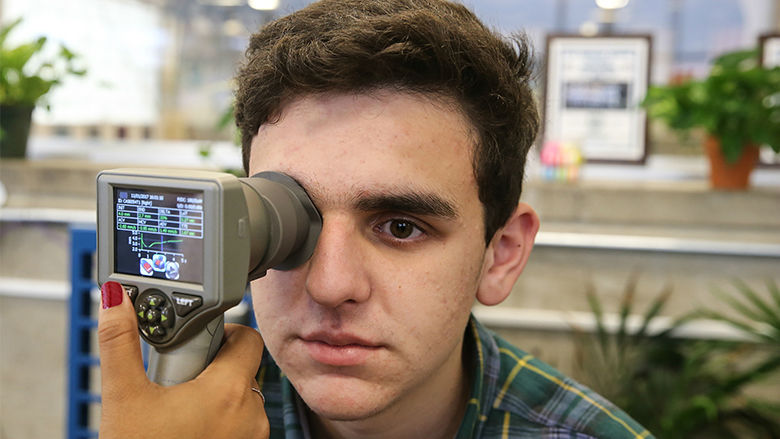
(769, 51)
(593, 89)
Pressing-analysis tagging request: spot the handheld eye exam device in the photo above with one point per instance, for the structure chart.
(184, 244)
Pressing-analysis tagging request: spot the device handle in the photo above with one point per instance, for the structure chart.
(187, 360)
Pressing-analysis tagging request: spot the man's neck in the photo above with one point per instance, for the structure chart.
(435, 409)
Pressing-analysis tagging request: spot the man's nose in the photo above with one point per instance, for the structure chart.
(337, 272)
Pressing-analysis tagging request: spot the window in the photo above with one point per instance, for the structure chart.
(163, 68)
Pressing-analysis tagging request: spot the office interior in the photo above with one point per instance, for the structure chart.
(634, 236)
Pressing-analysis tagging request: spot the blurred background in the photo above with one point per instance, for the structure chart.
(648, 283)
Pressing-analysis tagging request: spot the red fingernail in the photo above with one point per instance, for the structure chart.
(111, 294)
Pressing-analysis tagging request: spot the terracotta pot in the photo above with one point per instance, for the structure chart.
(730, 176)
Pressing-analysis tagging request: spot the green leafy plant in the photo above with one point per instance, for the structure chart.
(21, 82)
(680, 388)
(737, 103)
(756, 316)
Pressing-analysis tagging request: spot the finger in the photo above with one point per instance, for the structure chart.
(241, 352)
(121, 364)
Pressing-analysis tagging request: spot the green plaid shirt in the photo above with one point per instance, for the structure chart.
(513, 395)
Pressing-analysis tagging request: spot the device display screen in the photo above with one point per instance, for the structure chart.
(159, 234)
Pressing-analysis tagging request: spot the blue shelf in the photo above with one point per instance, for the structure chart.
(82, 323)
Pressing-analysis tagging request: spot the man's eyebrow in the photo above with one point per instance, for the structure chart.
(427, 204)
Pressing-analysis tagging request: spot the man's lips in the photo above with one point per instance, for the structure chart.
(338, 339)
(339, 349)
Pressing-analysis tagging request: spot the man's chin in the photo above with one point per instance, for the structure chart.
(346, 400)
(345, 415)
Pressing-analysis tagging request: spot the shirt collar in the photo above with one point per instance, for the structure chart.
(482, 360)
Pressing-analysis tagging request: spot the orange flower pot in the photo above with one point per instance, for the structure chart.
(730, 176)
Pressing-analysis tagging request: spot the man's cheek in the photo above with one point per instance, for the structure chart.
(265, 302)
(275, 283)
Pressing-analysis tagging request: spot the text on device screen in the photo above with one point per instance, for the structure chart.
(159, 234)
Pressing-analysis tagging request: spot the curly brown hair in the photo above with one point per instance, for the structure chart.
(432, 47)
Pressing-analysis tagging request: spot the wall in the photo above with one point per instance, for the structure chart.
(593, 233)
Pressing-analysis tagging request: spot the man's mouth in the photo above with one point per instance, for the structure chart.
(339, 349)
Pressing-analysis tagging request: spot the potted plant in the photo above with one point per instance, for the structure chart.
(683, 388)
(23, 85)
(737, 105)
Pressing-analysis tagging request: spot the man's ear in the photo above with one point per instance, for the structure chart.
(507, 255)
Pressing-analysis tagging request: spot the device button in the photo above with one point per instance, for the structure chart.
(185, 303)
(131, 291)
(166, 317)
(154, 300)
(140, 311)
(153, 316)
(149, 311)
(155, 331)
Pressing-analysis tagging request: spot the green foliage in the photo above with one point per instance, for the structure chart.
(680, 388)
(738, 103)
(227, 121)
(21, 82)
(757, 317)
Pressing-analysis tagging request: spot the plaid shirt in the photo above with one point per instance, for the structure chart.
(513, 395)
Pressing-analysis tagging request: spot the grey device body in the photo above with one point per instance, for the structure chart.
(237, 229)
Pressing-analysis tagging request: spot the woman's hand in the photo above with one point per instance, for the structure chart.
(219, 403)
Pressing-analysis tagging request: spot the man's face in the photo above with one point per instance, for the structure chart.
(376, 317)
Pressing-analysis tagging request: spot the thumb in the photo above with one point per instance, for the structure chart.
(241, 352)
(121, 364)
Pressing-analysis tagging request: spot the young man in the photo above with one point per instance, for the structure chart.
(408, 123)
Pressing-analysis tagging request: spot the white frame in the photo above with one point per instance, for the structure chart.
(593, 90)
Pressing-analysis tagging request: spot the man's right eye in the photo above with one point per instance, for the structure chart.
(401, 229)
